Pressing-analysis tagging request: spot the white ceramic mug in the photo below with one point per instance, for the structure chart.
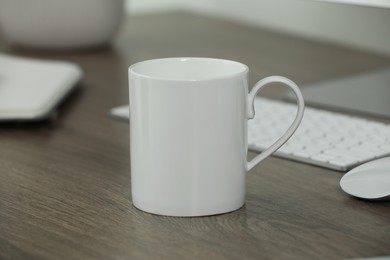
(188, 134)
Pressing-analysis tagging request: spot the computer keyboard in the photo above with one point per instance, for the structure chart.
(331, 140)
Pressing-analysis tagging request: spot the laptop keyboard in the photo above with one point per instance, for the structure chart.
(327, 139)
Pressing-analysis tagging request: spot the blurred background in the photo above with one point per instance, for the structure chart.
(355, 26)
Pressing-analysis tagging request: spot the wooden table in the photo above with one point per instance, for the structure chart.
(65, 185)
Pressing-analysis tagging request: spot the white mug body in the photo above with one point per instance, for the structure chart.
(188, 141)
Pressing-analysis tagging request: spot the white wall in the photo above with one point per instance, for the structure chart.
(357, 26)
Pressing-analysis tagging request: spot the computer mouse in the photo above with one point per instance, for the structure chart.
(368, 181)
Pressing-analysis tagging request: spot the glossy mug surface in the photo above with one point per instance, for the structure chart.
(188, 134)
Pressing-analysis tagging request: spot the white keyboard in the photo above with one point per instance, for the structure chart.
(324, 138)
(331, 140)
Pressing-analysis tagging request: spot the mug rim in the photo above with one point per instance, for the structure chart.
(133, 67)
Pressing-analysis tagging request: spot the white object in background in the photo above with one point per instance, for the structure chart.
(368, 181)
(188, 134)
(60, 24)
(121, 113)
(30, 89)
(324, 138)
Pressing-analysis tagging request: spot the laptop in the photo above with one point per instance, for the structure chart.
(365, 93)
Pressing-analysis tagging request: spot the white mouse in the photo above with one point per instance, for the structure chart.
(368, 181)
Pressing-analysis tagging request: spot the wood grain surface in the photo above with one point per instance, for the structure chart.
(65, 184)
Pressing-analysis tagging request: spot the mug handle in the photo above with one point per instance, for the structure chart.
(290, 131)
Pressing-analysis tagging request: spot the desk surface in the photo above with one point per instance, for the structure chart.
(65, 185)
